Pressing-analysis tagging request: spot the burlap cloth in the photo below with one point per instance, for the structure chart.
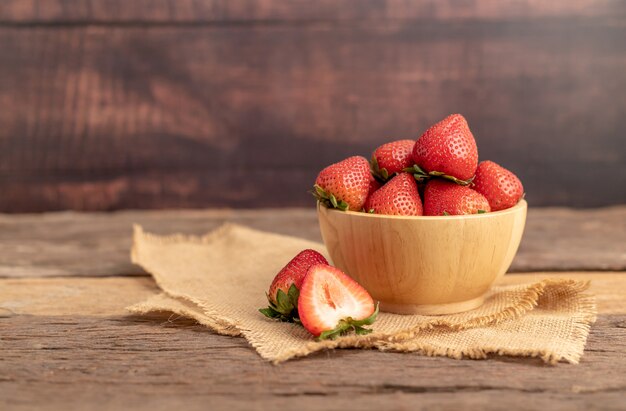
(220, 280)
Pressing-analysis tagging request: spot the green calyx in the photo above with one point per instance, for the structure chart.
(422, 176)
(328, 199)
(381, 174)
(350, 324)
(286, 306)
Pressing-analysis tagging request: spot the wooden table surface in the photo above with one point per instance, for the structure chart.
(67, 343)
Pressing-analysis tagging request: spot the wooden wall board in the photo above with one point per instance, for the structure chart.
(203, 104)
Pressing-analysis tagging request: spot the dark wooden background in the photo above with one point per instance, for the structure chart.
(180, 103)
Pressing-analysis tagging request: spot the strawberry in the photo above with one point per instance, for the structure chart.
(331, 303)
(443, 197)
(374, 185)
(501, 187)
(284, 290)
(345, 184)
(398, 197)
(392, 158)
(447, 148)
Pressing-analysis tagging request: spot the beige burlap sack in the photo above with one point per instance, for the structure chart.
(220, 280)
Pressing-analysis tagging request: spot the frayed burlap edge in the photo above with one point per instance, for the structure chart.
(167, 304)
(210, 317)
(583, 319)
(220, 322)
(398, 341)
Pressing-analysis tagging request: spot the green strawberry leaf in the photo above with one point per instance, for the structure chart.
(269, 312)
(381, 174)
(451, 178)
(384, 173)
(333, 201)
(283, 302)
(481, 211)
(369, 320)
(343, 206)
(362, 331)
(415, 169)
(286, 306)
(293, 295)
(350, 324)
(445, 213)
(327, 199)
(419, 174)
(321, 195)
(319, 191)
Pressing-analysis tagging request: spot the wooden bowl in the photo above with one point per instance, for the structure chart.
(424, 265)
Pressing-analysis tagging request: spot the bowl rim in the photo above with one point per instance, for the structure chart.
(521, 205)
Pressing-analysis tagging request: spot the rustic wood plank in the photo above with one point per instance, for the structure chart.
(74, 356)
(117, 116)
(208, 11)
(127, 362)
(91, 297)
(57, 244)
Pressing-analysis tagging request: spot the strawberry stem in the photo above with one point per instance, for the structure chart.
(420, 175)
(328, 199)
(381, 174)
(350, 324)
(286, 306)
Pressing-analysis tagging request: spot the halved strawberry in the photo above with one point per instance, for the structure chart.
(399, 196)
(447, 149)
(392, 158)
(500, 186)
(284, 290)
(344, 185)
(443, 197)
(331, 303)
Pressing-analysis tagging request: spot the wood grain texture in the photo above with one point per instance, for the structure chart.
(69, 363)
(82, 357)
(424, 265)
(89, 296)
(143, 105)
(59, 244)
(276, 11)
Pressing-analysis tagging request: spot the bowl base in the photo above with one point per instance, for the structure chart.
(433, 309)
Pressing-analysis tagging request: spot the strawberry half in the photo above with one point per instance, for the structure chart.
(501, 187)
(392, 158)
(344, 185)
(398, 197)
(448, 149)
(443, 197)
(331, 303)
(284, 290)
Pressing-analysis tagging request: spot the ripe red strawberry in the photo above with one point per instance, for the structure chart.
(374, 185)
(443, 197)
(345, 184)
(392, 158)
(501, 187)
(398, 197)
(331, 303)
(448, 147)
(284, 290)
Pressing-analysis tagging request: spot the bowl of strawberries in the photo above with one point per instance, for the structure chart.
(423, 226)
